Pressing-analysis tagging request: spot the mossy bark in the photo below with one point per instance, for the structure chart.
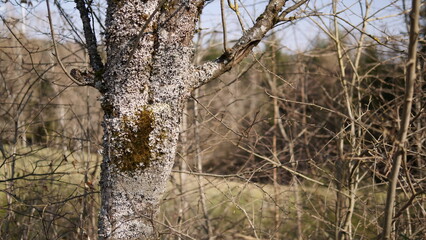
(139, 153)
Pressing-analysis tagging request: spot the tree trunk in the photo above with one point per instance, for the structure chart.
(143, 105)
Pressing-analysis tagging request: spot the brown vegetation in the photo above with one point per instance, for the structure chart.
(286, 145)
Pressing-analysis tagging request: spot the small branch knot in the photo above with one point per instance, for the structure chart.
(85, 78)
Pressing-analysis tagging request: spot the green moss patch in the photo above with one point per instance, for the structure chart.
(136, 152)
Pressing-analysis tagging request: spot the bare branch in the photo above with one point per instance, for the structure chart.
(91, 44)
(234, 7)
(265, 22)
(408, 204)
(291, 9)
(222, 13)
(55, 47)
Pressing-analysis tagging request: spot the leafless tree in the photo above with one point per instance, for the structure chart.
(147, 77)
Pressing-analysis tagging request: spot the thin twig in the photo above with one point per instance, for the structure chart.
(407, 204)
(236, 9)
(291, 9)
(214, 116)
(52, 33)
(222, 13)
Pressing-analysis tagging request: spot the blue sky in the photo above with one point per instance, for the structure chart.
(298, 35)
(295, 36)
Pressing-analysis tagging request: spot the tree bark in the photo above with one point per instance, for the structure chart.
(143, 104)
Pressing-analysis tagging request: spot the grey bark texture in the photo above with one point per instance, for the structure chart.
(148, 75)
